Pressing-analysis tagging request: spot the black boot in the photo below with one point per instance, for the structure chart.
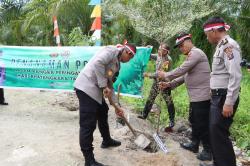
(110, 143)
(205, 155)
(204, 164)
(192, 146)
(93, 163)
(4, 103)
(90, 160)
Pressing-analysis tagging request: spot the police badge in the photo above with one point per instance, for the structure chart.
(229, 53)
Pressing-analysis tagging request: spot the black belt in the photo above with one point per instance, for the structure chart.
(219, 92)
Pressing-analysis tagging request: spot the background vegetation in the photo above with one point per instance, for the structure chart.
(143, 22)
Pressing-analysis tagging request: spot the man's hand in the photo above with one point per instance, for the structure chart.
(119, 112)
(107, 92)
(227, 110)
(164, 85)
(161, 74)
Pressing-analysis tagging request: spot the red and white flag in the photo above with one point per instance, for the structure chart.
(56, 31)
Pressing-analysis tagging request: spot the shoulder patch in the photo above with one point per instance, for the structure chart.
(223, 42)
(229, 52)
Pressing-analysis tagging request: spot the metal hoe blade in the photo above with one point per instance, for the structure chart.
(141, 141)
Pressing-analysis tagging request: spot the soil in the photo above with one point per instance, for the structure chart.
(40, 128)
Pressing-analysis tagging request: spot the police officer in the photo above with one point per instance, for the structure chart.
(163, 61)
(90, 85)
(225, 86)
(2, 100)
(195, 72)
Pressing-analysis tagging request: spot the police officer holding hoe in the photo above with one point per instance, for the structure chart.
(91, 84)
(225, 86)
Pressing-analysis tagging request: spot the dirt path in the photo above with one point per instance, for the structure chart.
(37, 129)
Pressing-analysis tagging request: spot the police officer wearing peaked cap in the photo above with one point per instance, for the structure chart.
(195, 73)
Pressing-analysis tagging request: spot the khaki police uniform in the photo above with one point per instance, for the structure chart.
(89, 89)
(225, 86)
(195, 72)
(96, 74)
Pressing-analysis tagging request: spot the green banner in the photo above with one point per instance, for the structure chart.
(58, 67)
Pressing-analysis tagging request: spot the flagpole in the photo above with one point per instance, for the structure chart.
(56, 31)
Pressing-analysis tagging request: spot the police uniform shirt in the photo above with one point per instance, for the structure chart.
(195, 72)
(96, 74)
(226, 70)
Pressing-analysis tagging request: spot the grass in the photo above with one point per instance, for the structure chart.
(241, 126)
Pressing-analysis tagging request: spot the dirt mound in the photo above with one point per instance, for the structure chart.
(159, 160)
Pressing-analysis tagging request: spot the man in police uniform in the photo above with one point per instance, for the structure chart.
(195, 72)
(163, 62)
(225, 87)
(92, 82)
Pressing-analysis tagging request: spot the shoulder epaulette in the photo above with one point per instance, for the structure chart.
(223, 42)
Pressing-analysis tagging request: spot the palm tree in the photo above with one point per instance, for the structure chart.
(243, 21)
(161, 19)
(70, 14)
(11, 19)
